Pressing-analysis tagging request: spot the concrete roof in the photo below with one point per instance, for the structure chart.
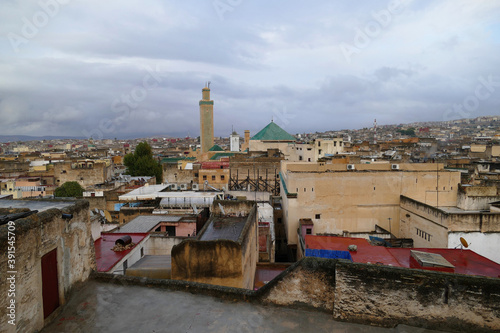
(107, 307)
(144, 223)
(226, 227)
(39, 205)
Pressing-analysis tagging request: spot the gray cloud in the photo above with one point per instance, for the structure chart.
(279, 60)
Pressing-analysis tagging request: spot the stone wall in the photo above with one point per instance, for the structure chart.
(36, 236)
(310, 283)
(386, 296)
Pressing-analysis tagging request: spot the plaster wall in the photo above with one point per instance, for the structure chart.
(356, 201)
(36, 236)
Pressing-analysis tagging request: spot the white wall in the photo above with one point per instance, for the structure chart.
(485, 244)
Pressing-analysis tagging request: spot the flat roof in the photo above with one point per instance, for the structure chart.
(366, 252)
(144, 223)
(39, 205)
(107, 258)
(107, 307)
(465, 261)
(153, 262)
(225, 227)
(151, 192)
(144, 192)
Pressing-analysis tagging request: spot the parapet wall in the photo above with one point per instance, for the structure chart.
(386, 296)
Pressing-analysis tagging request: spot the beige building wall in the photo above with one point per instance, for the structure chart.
(258, 145)
(337, 200)
(86, 173)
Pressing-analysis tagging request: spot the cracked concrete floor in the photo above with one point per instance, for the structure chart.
(103, 307)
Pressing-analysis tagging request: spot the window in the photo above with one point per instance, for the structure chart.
(319, 143)
(125, 266)
(222, 177)
(279, 219)
(300, 158)
(312, 189)
(335, 143)
(304, 189)
(204, 177)
(196, 175)
(309, 159)
(309, 148)
(308, 231)
(319, 151)
(142, 252)
(213, 177)
(318, 216)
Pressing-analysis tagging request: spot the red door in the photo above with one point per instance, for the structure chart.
(50, 286)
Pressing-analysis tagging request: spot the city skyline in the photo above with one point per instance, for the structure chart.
(124, 70)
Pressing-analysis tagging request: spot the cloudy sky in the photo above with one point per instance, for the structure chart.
(136, 68)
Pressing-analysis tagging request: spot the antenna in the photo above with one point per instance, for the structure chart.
(209, 84)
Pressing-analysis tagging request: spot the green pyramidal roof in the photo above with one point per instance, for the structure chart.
(273, 132)
(216, 148)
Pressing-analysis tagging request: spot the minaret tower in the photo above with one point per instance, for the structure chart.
(375, 132)
(206, 120)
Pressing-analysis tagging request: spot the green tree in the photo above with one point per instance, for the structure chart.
(69, 189)
(142, 163)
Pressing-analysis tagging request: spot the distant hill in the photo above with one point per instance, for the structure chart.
(23, 138)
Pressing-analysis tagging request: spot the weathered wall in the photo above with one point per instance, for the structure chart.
(160, 245)
(213, 262)
(249, 249)
(477, 197)
(432, 227)
(427, 225)
(172, 174)
(375, 295)
(63, 172)
(308, 283)
(36, 236)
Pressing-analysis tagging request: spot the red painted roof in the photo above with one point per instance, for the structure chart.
(214, 165)
(366, 253)
(465, 261)
(107, 258)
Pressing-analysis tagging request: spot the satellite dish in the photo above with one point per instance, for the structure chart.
(101, 213)
(107, 215)
(464, 242)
